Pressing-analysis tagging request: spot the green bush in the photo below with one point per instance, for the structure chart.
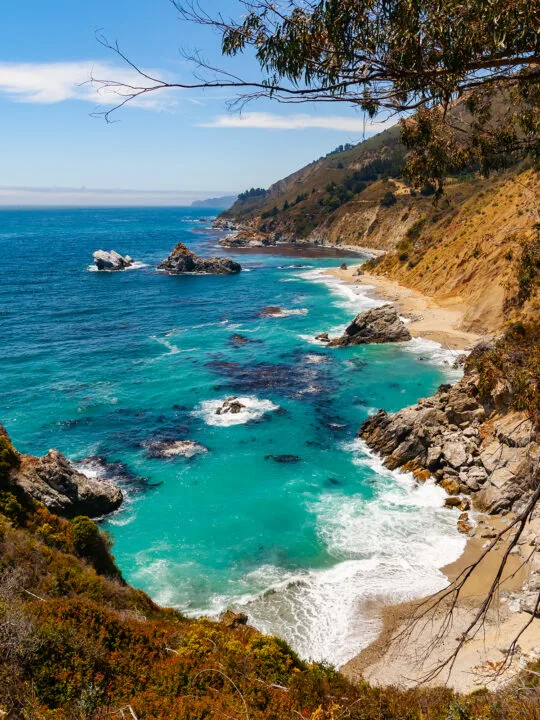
(9, 459)
(92, 545)
(388, 200)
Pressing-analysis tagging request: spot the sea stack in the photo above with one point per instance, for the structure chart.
(111, 260)
(183, 261)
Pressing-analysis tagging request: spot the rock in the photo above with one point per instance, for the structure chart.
(237, 339)
(529, 603)
(358, 271)
(111, 260)
(379, 325)
(233, 620)
(514, 430)
(54, 481)
(473, 477)
(452, 502)
(182, 261)
(433, 456)
(322, 337)
(464, 527)
(451, 485)
(271, 311)
(231, 405)
(173, 448)
(283, 458)
(454, 453)
(500, 477)
(343, 266)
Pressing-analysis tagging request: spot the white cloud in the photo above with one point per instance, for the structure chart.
(269, 121)
(48, 83)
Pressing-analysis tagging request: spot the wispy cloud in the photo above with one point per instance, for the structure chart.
(270, 121)
(47, 83)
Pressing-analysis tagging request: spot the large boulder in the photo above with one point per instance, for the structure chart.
(54, 481)
(182, 261)
(379, 325)
(111, 260)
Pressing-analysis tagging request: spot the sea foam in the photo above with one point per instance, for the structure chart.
(387, 549)
(254, 409)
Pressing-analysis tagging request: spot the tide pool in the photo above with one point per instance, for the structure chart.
(99, 365)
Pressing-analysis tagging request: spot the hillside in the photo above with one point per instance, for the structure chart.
(223, 201)
(466, 248)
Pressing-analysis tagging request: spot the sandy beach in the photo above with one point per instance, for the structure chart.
(404, 654)
(428, 318)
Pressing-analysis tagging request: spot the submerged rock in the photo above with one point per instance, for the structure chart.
(182, 261)
(379, 325)
(271, 311)
(111, 260)
(167, 449)
(283, 458)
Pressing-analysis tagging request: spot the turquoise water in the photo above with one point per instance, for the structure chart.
(101, 364)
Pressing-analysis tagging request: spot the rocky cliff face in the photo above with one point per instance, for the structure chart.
(182, 261)
(485, 457)
(54, 481)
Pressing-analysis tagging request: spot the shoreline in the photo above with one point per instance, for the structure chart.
(404, 661)
(428, 319)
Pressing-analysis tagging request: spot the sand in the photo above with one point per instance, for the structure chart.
(403, 655)
(428, 318)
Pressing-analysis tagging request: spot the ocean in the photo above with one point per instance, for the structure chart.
(101, 365)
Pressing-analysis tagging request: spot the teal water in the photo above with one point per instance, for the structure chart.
(101, 364)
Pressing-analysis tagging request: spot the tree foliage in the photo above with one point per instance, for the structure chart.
(465, 74)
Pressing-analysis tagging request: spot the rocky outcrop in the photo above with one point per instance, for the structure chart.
(183, 261)
(247, 238)
(231, 405)
(55, 482)
(450, 437)
(111, 260)
(379, 325)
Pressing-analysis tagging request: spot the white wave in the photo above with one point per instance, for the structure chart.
(316, 359)
(436, 354)
(388, 549)
(253, 410)
(354, 298)
(284, 312)
(136, 266)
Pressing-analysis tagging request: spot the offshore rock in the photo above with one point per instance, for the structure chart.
(54, 481)
(167, 449)
(231, 405)
(379, 325)
(183, 261)
(111, 260)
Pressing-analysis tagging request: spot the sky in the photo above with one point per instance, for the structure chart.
(175, 146)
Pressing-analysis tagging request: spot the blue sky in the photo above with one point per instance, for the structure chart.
(180, 141)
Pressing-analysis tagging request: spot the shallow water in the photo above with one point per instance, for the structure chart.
(101, 364)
